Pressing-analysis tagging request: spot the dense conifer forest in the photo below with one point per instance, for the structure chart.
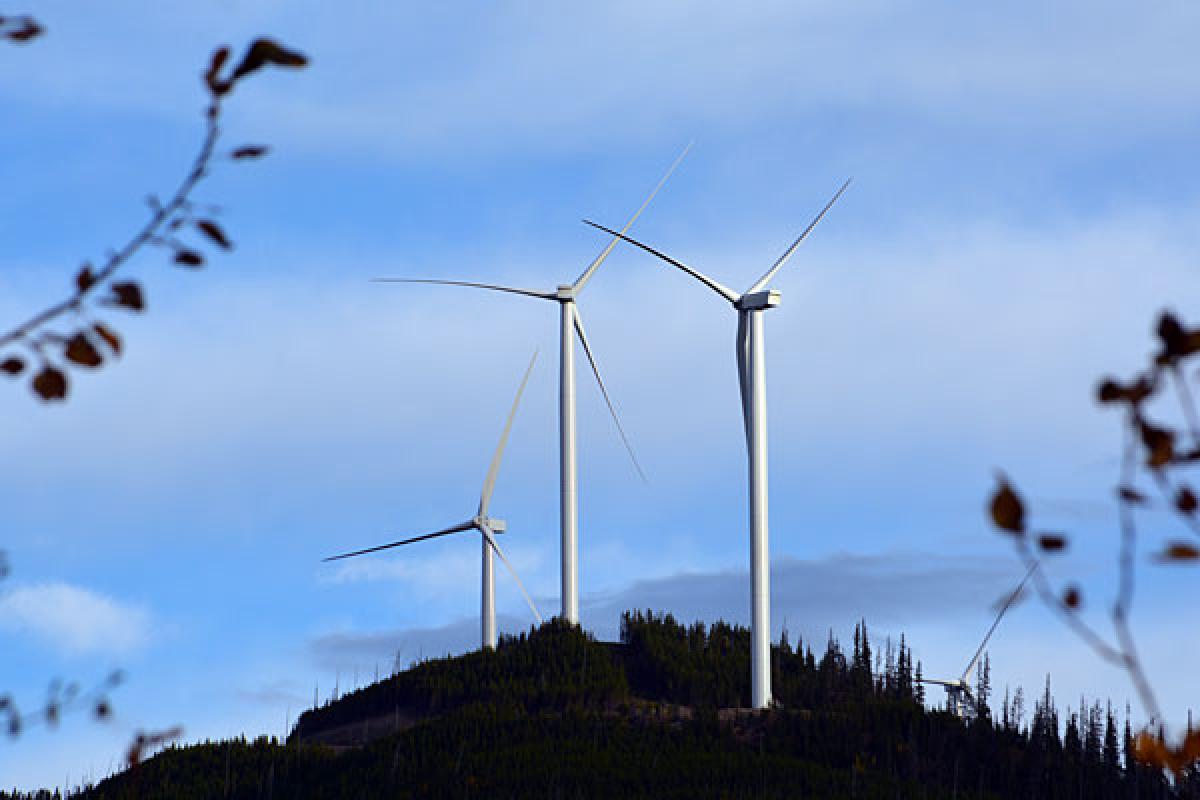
(554, 713)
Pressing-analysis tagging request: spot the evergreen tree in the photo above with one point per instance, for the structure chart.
(1112, 753)
(983, 686)
(1072, 741)
(904, 676)
(1018, 710)
(860, 666)
(889, 668)
(866, 652)
(856, 661)
(1044, 727)
(1127, 743)
(1094, 735)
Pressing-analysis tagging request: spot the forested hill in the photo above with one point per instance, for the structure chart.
(554, 713)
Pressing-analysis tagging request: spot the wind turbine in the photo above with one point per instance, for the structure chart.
(751, 360)
(488, 528)
(570, 326)
(959, 698)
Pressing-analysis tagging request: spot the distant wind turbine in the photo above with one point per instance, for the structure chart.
(571, 325)
(752, 378)
(959, 698)
(488, 528)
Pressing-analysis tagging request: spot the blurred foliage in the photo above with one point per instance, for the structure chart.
(71, 334)
(1162, 449)
(20, 29)
(40, 348)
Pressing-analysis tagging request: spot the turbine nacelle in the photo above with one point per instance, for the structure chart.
(758, 301)
(495, 525)
(565, 293)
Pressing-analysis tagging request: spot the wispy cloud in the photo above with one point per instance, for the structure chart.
(75, 620)
(282, 692)
(345, 651)
(451, 569)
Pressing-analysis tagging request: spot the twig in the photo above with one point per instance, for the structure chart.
(62, 700)
(1126, 586)
(178, 201)
(1187, 403)
(1051, 599)
(1168, 495)
(20, 29)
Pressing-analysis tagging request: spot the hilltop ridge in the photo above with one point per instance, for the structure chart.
(554, 713)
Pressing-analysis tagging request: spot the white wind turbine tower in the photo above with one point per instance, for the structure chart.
(571, 325)
(488, 528)
(751, 361)
(960, 700)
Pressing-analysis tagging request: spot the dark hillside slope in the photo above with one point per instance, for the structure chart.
(558, 667)
(556, 714)
(484, 751)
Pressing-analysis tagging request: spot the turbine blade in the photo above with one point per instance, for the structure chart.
(724, 291)
(587, 349)
(591, 268)
(743, 356)
(489, 483)
(487, 533)
(1012, 598)
(465, 526)
(492, 286)
(762, 282)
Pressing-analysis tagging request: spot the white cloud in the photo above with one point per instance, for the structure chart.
(446, 572)
(75, 620)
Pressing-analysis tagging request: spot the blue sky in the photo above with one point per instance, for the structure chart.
(1024, 203)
